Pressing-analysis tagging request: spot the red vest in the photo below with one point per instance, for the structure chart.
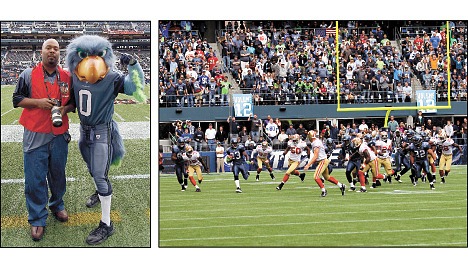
(40, 120)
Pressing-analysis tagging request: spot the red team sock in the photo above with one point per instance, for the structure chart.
(295, 172)
(285, 178)
(332, 180)
(259, 170)
(362, 179)
(320, 183)
(194, 183)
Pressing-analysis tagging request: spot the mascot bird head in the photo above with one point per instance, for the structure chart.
(90, 58)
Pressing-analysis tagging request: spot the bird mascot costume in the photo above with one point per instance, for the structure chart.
(95, 85)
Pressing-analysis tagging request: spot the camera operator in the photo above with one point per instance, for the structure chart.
(40, 91)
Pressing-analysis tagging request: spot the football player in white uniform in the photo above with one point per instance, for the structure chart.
(295, 146)
(369, 163)
(194, 162)
(262, 152)
(383, 147)
(320, 156)
(445, 160)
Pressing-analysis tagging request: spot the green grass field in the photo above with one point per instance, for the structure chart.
(130, 201)
(393, 215)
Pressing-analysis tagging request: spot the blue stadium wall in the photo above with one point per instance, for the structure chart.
(300, 112)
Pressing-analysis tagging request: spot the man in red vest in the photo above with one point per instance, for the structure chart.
(42, 92)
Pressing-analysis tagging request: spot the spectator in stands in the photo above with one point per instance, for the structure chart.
(249, 143)
(363, 127)
(271, 130)
(225, 87)
(407, 92)
(419, 121)
(392, 125)
(291, 131)
(301, 131)
(198, 138)
(210, 137)
(243, 134)
(222, 135)
(283, 138)
(234, 127)
(448, 128)
(256, 126)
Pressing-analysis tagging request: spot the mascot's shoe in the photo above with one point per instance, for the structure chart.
(61, 216)
(93, 200)
(37, 232)
(100, 234)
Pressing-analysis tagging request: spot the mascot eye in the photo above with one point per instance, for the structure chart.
(82, 54)
(102, 53)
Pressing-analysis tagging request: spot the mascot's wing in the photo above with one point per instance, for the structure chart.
(135, 82)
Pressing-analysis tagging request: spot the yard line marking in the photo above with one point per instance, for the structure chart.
(313, 234)
(311, 214)
(426, 244)
(130, 176)
(307, 222)
(118, 116)
(70, 179)
(21, 180)
(7, 112)
(147, 118)
(77, 219)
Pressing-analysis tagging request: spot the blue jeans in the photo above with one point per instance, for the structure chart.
(211, 144)
(45, 166)
(190, 100)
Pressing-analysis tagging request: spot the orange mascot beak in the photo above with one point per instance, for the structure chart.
(91, 69)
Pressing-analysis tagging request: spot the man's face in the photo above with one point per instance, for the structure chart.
(50, 52)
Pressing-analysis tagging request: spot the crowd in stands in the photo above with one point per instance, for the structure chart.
(277, 132)
(79, 26)
(295, 63)
(425, 49)
(190, 73)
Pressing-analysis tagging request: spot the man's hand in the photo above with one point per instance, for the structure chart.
(306, 167)
(45, 103)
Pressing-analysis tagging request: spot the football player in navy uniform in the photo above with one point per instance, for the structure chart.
(400, 144)
(329, 148)
(179, 163)
(419, 151)
(238, 156)
(350, 153)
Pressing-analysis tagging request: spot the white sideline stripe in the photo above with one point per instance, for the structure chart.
(309, 222)
(21, 180)
(69, 179)
(313, 214)
(314, 234)
(7, 112)
(118, 116)
(426, 244)
(131, 176)
(147, 118)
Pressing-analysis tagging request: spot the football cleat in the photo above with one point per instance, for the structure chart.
(100, 234)
(343, 188)
(257, 177)
(183, 188)
(302, 176)
(199, 181)
(362, 190)
(93, 200)
(442, 180)
(377, 183)
(352, 188)
(432, 186)
(280, 186)
(197, 190)
(272, 176)
(374, 185)
(238, 190)
(324, 193)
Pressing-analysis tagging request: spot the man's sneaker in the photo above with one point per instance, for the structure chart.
(257, 177)
(93, 200)
(302, 176)
(374, 185)
(199, 181)
(352, 188)
(362, 190)
(238, 190)
(343, 188)
(100, 234)
(324, 193)
(197, 190)
(272, 176)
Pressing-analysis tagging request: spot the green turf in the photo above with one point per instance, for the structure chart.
(131, 199)
(394, 215)
(123, 112)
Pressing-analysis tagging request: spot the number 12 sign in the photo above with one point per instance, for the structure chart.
(243, 106)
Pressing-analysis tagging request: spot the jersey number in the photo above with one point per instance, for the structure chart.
(295, 150)
(420, 153)
(85, 102)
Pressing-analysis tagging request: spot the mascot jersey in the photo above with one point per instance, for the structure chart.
(95, 102)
